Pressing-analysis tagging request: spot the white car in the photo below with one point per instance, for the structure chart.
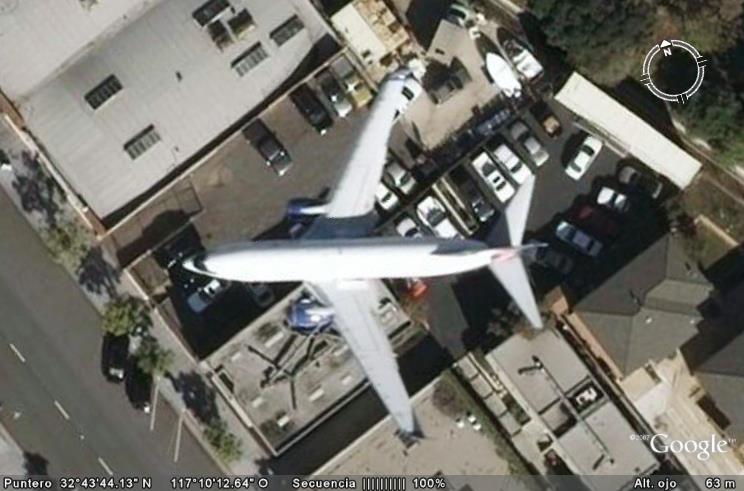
(578, 239)
(524, 61)
(206, 295)
(522, 135)
(588, 151)
(489, 172)
(506, 157)
(432, 212)
(385, 198)
(406, 227)
(613, 199)
(460, 15)
(399, 177)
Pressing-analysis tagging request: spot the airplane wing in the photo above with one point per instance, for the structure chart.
(355, 311)
(354, 193)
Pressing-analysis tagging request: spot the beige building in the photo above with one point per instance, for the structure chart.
(375, 35)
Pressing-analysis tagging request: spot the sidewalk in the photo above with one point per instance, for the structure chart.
(12, 461)
(100, 280)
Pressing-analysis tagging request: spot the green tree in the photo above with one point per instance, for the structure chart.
(709, 25)
(228, 446)
(153, 358)
(68, 243)
(125, 316)
(605, 39)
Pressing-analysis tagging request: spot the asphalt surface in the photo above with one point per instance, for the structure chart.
(45, 316)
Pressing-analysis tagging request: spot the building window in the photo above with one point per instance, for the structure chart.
(241, 23)
(286, 31)
(142, 142)
(210, 11)
(103, 92)
(245, 62)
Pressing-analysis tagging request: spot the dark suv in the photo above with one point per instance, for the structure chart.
(114, 356)
(270, 148)
(311, 108)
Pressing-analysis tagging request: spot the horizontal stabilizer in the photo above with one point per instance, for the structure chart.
(509, 230)
(512, 275)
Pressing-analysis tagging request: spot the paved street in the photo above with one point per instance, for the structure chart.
(56, 333)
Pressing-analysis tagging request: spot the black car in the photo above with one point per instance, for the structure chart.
(270, 148)
(114, 356)
(311, 108)
(139, 387)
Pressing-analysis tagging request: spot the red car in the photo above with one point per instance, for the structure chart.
(596, 221)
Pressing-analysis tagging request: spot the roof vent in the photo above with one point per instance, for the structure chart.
(649, 319)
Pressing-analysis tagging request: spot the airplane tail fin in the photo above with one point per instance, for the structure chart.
(510, 270)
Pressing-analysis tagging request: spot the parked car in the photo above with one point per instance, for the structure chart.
(267, 144)
(433, 214)
(311, 108)
(584, 158)
(482, 209)
(524, 61)
(385, 197)
(636, 179)
(596, 221)
(138, 388)
(406, 227)
(524, 136)
(334, 93)
(353, 84)
(578, 239)
(490, 173)
(114, 356)
(397, 176)
(461, 15)
(551, 259)
(205, 295)
(506, 157)
(613, 199)
(261, 294)
(548, 120)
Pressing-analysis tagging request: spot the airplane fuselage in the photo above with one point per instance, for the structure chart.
(344, 259)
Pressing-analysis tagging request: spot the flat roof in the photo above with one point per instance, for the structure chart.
(626, 456)
(446, 449)
(40, 37)
(175, 79)
(324, 370)
(633, 133)
(516, 354)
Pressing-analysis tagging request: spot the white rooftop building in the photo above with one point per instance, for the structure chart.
(130, 94)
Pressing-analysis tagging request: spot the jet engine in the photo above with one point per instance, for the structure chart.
(308, 316)
(305, 209)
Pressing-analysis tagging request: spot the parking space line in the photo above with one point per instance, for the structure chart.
(61, 410)
(105, 466)
(154, 405)
(17, 352)
(179, 430)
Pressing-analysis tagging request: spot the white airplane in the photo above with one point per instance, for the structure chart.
(339, 258)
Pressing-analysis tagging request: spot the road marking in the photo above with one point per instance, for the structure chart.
(105, 466)
(154, 405)
(178, 436)
(61, 410)
(17, 353)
